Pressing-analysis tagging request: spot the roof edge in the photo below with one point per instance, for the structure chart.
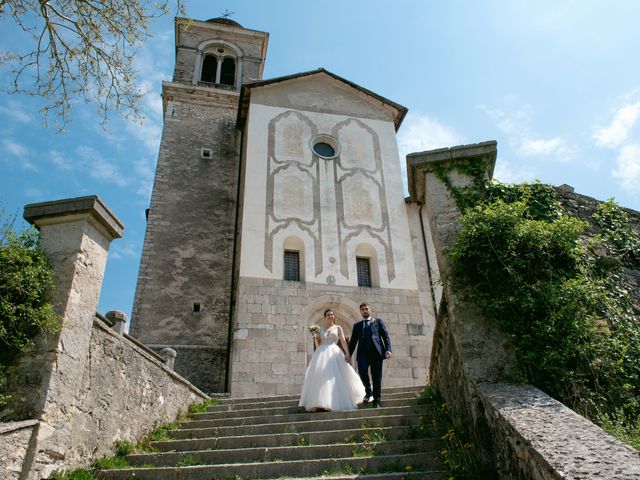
(246, 89)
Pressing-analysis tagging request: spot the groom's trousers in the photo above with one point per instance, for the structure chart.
(371, 361)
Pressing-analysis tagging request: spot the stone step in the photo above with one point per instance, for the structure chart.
(430, 475)
(270, 440)
(424, 462)
(271, 454)
(202, 421)
(304, 426)
(293, 402)
(237, 401)
(292, 409)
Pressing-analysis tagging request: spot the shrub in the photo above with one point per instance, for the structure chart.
(26, 286)
(527, 265)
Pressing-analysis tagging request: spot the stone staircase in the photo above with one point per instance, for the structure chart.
(271, 437)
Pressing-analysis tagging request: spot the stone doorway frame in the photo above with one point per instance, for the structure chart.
(347, 314)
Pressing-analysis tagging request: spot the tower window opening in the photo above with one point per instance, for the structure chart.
(363, 268)
(228, 72)
(196, 307)
(209, 69)
(292, 265)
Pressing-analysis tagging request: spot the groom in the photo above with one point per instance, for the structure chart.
(374, 345)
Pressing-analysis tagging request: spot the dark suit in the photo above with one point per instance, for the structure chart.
(373, 343)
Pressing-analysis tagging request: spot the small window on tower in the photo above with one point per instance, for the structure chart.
(228, 72)
(209, 68)
(206, 153)
(292, 265)
(196, 307)
(364, 272)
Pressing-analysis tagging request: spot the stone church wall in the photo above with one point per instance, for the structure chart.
(272, 344)
(330, 210)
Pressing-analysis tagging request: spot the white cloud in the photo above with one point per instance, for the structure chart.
(627, 168)
(60, 160)
(14, 148)
(16, 111)
(544, 147)
(514, 122)
(620, 136)
(506, 172)
(617, 132)
(19, 151)
(119, 251)
(420, 133)
(99, 167)
(144, 169)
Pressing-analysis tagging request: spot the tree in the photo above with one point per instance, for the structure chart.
(79, 49)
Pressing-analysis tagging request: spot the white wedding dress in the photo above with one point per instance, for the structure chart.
(330, 383)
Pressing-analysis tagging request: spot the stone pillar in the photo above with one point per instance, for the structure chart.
(75, 233)
(119, 319)
(425, 187)
(466, 350)
(169, 355)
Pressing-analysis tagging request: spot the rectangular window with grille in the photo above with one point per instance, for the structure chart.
(292, 265)
(364, 272)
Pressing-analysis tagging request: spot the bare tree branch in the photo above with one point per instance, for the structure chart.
(80, 49)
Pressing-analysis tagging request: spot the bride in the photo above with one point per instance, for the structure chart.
(330, 382)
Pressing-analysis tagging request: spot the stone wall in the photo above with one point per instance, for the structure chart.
(187, 253)
(88, 385)
(272, 344)
(537, 437)
(583, 207)
(517, 429)
(14, 442)
(125, 392)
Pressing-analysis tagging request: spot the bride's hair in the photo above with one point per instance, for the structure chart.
(327, 311)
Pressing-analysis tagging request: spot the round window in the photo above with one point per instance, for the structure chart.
(323, 149)
(325, 146)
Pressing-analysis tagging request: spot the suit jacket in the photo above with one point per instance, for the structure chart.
(379, 334)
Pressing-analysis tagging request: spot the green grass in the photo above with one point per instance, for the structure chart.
(80, 474)
(457, 452)
(110, 463)
(364, 450)
(124, 448)
(189, 460)
(373, 436)
(203, 406)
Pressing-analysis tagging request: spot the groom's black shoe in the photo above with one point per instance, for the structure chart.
(377, 404)
(366, 399)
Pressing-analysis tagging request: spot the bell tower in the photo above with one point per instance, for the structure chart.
(183, 292)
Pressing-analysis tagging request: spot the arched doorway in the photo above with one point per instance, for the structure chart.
(346, 311)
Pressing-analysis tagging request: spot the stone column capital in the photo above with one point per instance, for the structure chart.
(90, 208)
(421, 163)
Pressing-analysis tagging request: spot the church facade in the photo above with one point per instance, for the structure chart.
(274, 200)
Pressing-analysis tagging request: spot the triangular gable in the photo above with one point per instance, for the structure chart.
(322, 91)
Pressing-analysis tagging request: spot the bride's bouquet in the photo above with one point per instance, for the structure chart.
(314, 329)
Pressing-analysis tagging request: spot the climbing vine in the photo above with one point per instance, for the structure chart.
(537, 274)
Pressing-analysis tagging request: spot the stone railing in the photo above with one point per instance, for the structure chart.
(519, 430)
(92, 383)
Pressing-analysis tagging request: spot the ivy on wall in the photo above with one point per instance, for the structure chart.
(559, 294)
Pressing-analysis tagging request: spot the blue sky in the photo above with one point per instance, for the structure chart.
(556, 83)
